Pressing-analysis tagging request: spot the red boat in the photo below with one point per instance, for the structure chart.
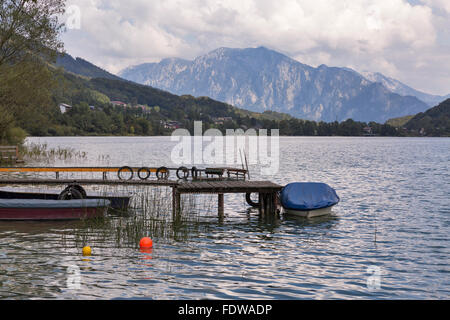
(119, 201)
(36, 209)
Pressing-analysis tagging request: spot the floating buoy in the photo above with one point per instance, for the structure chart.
(87, 251)
(146, 243)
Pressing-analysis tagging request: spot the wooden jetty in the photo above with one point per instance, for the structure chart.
(267, 190)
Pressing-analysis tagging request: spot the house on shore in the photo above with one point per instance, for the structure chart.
(172, 125)
(63, 107)
(222, 120)
(119, 103)
(368, 131)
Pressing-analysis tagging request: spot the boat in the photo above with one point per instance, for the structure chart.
(38, 209)
(308, 199)
(118, 201)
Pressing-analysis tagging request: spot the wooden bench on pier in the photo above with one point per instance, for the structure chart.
(10, 154)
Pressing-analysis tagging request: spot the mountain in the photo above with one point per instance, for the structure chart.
(82, 67)
(144, 110)
(402, 89)
(433, 122)
(141, 110)
(260, 79)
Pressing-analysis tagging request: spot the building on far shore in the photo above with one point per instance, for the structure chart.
(63, 107)
(368, 131)
(222, 120)
(119, 103)
(171, 124)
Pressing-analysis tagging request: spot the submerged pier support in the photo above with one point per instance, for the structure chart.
(268, 203)
(220, 205)
(176, 203)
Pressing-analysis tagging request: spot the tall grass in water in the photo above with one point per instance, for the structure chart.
(41, 152)
(149, 215)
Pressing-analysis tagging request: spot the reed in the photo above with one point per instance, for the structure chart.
(149, 215)
(41, 152)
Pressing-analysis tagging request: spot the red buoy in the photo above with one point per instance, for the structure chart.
(146, 243)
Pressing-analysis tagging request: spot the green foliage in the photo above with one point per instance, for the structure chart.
(98, 97)
(28, 42)
(6, 123)
(433, 122)
(15, 136)
(29, 29)
(399, 122)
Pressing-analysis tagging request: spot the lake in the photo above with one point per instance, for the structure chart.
(388, 238)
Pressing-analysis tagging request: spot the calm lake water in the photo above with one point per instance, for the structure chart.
(387, 239)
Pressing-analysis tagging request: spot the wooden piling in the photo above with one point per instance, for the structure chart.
(176, 203)
(221, 205)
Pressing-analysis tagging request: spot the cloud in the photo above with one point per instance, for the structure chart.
(395, 37)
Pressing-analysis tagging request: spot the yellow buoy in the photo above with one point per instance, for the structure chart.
(87, 251)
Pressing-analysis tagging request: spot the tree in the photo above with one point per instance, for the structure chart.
(29, 31)
(29, 27)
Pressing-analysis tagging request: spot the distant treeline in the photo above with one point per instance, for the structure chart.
(115, 120)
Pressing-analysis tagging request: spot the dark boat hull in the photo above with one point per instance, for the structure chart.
(37, 209)
(117, 202)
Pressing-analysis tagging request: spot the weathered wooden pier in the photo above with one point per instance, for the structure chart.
(218, 181)
(267, 191)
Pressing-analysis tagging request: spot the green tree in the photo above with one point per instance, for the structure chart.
(29, 31)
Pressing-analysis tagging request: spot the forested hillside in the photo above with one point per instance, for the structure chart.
(151, 111)
(433, 122)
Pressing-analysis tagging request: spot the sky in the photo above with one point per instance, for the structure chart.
(408, 40)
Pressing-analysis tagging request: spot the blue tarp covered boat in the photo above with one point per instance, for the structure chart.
(308, 199)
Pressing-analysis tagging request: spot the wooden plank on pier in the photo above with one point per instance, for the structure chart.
(226, 186)
(229, 187)
(167, 183)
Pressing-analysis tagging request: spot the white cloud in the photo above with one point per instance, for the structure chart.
(438, 4)
(389, 36)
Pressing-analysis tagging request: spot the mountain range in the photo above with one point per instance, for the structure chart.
(260, 79)
(83, 84)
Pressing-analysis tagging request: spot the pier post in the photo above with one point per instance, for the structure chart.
(221, 205)
(262, 204)
(267, 203)
(176, 203)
